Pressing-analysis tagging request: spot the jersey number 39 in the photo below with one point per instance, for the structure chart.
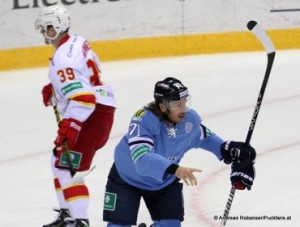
(68, 73)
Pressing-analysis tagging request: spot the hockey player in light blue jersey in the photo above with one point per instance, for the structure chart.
(147, 159)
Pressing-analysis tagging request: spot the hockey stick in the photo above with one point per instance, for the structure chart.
(73, 172)
(65, 145)
(264, 39)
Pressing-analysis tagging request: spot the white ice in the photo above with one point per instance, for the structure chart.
(224, 90)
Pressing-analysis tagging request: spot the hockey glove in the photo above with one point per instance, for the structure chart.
(47, 94)
(232, 151)
(68, 131)
(242, 174)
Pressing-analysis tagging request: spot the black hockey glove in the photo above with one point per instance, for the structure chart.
(242, 174)
(236, 151)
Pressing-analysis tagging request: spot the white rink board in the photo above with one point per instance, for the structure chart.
(122, 19)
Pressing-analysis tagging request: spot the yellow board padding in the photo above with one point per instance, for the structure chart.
(29, 57)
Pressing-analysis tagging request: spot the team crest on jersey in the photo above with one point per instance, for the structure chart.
(171, 132)
(188, 127)
(139, 114)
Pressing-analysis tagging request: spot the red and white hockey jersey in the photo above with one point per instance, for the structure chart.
(75, 75)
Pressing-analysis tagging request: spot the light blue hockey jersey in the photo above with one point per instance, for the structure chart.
(150, 147)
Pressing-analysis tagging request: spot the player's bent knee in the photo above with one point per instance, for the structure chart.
(117, 225)
(167, 223)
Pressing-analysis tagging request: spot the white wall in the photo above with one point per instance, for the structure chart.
(119, 19)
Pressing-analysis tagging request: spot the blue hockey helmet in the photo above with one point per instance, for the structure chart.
(170, 89)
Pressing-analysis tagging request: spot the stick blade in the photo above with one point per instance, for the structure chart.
(261, 35)
(83, 173)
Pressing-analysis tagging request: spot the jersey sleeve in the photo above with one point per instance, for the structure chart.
(143, 129)
(210, 141)
(206, 139)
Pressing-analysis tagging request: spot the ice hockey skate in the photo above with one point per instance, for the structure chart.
(77, 222)
(144, 225)
(60, 219)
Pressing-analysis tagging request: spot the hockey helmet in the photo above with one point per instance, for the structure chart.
(56, 16)
(170, 89)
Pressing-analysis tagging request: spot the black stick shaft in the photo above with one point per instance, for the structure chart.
(271, 57)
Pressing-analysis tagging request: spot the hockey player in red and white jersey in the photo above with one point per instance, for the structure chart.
(86, 106)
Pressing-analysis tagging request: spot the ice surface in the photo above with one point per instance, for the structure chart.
(224, 90)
